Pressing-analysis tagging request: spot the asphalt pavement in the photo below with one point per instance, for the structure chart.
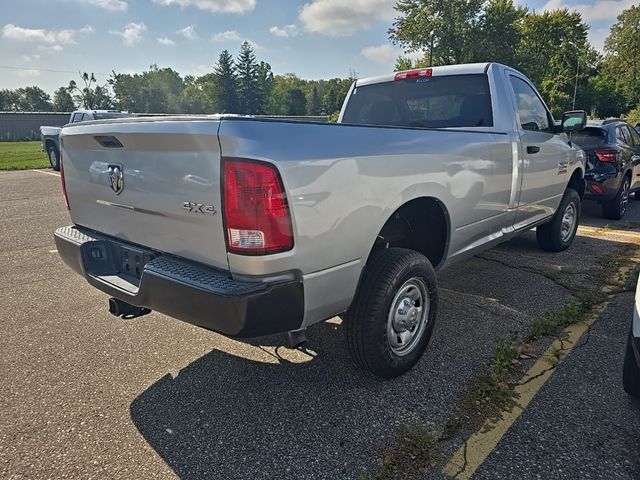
(87, 395)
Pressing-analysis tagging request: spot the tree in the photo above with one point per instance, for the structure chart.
(445, 28)
(314, 103)
(33, 99)
(553, 52)
(63, 101)
(91, 96)
(157, 90)
(499, 31)
(224, 86)
(623, 49)
(249, 95)
(266, 82)
(296, 102)
(9, 99)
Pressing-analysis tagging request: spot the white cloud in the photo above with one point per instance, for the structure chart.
(188, 32)
(111, 5)
(598, 11)
(380, 53)
(38, 35)
(29, 73)
(132, 33)
(165, 41)
(285, 31)
(386, 54)
(224, 6)
(50, 48)
(339, 18)
(86, 29)
(30, 58)
(228, 36)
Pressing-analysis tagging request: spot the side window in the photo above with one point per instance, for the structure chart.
(77, 117)
(635, 138)
(531, 111)
(622, 135)
(86, 117)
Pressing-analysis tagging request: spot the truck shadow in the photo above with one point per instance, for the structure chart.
(232, 417)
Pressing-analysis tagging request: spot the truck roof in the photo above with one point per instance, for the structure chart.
(462, 69)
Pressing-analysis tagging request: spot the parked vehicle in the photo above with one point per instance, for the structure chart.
(613, 164)
(251, 227)
(50, 135)
(631, 370)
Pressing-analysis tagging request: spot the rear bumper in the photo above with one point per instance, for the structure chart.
(602, 187)
(185, 290)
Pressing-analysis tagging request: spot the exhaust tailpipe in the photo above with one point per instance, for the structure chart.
(297, 338)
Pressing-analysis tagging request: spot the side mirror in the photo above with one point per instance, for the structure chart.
(574, 120)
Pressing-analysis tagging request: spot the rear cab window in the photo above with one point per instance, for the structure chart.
(589, 138)
(429, 102)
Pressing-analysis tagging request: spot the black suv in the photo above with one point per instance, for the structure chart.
(613, 163)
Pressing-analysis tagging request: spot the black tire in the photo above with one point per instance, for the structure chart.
(54, 157)
(631, 371)
(366, 323)
(554, 236)
(615, 208)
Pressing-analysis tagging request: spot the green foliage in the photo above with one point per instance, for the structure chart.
(63, 101)
(623, 49)
(223, 90)
(157, 90)
(413, 451)
(447, 27)
(89, 94)
(250, 99)
(28, 99)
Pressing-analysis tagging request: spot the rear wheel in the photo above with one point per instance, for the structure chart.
(631, 371)
(389, 324)
(558, 234)
(616, 207)
(54, 157)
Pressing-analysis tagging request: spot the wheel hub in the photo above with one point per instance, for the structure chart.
(408, 316)
(568, 222)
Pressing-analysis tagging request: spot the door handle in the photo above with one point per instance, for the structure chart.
(533, 149)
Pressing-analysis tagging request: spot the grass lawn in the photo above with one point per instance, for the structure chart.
(22, 155)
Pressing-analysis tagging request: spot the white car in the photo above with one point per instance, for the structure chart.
(631, 372)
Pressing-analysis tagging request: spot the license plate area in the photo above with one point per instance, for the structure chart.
(132, 261)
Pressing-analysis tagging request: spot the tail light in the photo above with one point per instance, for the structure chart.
(64, 185)
(256, 212)
(610, 155)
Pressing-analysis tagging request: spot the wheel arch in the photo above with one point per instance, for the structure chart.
(413, 225)
(48, 143)
(577, 182)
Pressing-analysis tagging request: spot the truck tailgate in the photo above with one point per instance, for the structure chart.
(154, 182)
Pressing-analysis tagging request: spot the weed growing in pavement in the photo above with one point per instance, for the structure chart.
(413, 451)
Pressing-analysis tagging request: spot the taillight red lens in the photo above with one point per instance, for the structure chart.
(417, 73)
(256, 212)
(610, 155)
(64, 185)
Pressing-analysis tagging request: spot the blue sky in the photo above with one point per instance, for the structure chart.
(312, 38)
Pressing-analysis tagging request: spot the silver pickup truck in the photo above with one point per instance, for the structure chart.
(251, 227)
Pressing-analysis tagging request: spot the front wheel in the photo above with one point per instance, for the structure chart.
(54, 157)
(615, 208)
(558, 234)
(390, 322)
